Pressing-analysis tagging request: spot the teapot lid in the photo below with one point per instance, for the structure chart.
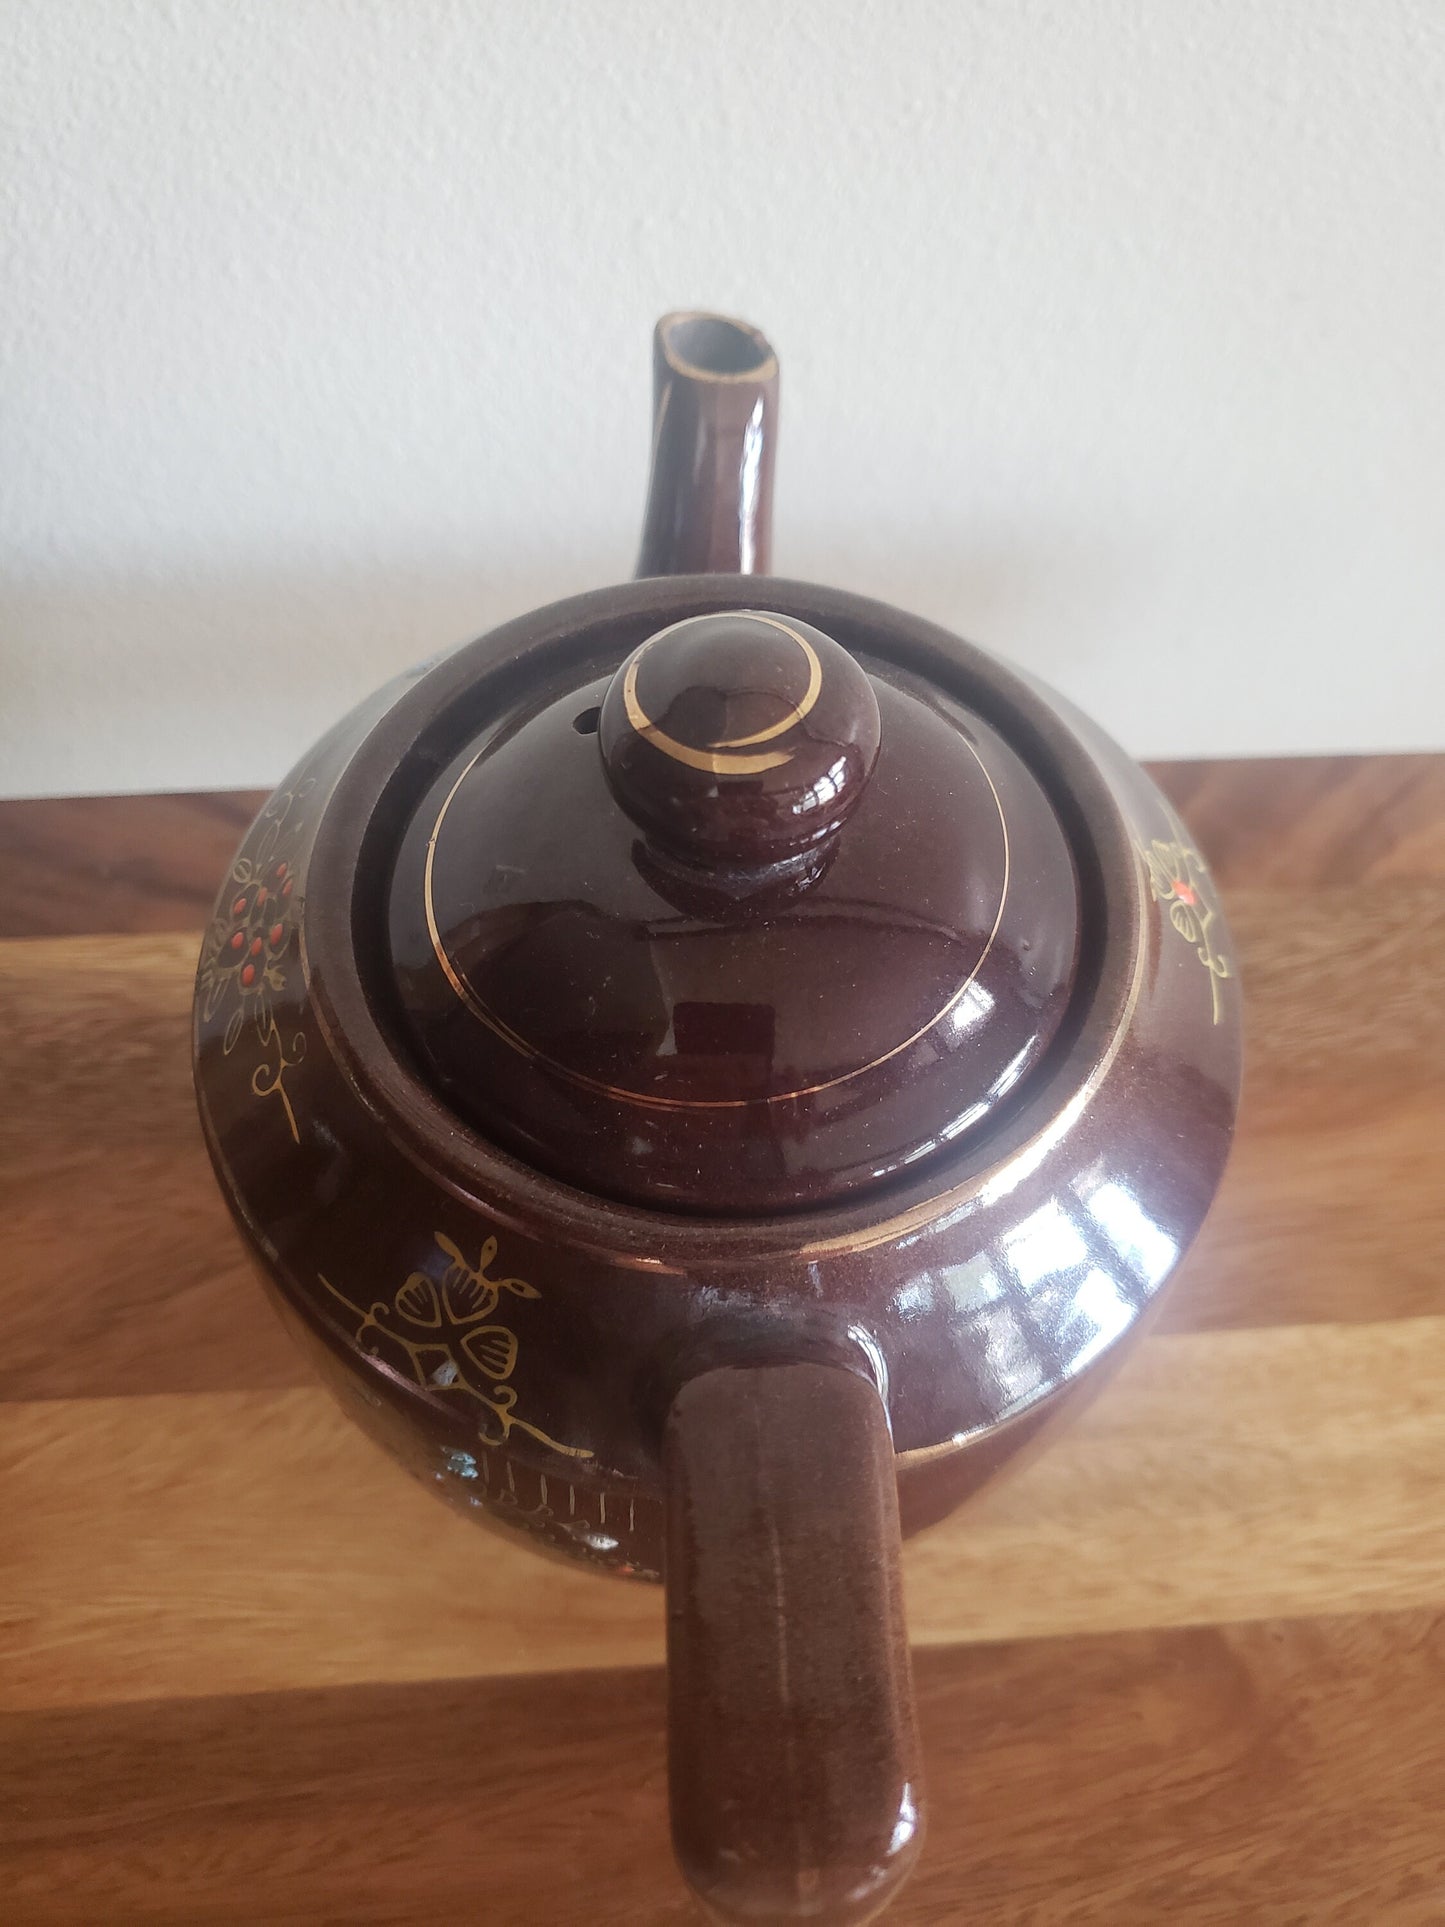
(750, 924)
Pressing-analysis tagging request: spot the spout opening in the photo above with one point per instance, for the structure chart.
(711, 347)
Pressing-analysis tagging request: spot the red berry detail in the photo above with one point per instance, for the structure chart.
(260, 898)
(286, 888)
(238, 939)
(1184, 893)
(255, 946)
(281, 869)
(248, 975)
(238, 908)
(276, 933)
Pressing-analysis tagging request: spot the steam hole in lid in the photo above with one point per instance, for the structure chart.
(706, 344)
(586, 723)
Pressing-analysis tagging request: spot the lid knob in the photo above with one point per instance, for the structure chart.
(739, 740)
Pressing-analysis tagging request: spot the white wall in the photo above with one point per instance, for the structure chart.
(1113, 334)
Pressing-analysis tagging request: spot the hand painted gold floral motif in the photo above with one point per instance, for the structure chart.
(248, 949)
(1178, 879)
(439, 1333)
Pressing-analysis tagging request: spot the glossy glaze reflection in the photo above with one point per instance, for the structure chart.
(615, 1022)
(932, 1102)
(740, 743)
(984, 1292)
(714, 439)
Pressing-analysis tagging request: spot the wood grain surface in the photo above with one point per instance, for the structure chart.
(1187, 1665)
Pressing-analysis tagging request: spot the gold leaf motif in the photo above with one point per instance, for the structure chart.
(1179, 881)
(468, 1291)
(1183, 922)
(492, 1347)
(472, 1364)
(454, 1252)
(468, 1295)
(418, 1301)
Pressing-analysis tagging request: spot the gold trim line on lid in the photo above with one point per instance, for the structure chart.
(647, 1100)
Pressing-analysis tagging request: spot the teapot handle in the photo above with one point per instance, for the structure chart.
(793, 1749)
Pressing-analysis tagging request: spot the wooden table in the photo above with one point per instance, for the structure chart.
(1189, 1665)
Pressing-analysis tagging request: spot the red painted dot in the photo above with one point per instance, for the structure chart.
(286, 888)
(276, 933)
(260, 898)
(1183, 892)
(248, 975)
(238, 908)
(281, 869)
(238, 939)
(255, 946)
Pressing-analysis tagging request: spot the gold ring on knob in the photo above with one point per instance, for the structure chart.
(722, 758)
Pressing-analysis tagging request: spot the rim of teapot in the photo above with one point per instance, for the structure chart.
(374, 797)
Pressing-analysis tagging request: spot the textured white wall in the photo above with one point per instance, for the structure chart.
(1112, 334)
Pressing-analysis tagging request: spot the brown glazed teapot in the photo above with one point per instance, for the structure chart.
(710, 1070)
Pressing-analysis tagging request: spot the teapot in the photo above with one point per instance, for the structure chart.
(710, 1071)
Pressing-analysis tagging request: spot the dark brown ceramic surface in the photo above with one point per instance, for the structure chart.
(793, 1756)
(977, 1294)
(566, 1080)
(739, 743)
(714, 440)
(687, 1033)
(1187, 1665)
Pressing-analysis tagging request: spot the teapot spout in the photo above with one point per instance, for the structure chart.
(714, 431)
